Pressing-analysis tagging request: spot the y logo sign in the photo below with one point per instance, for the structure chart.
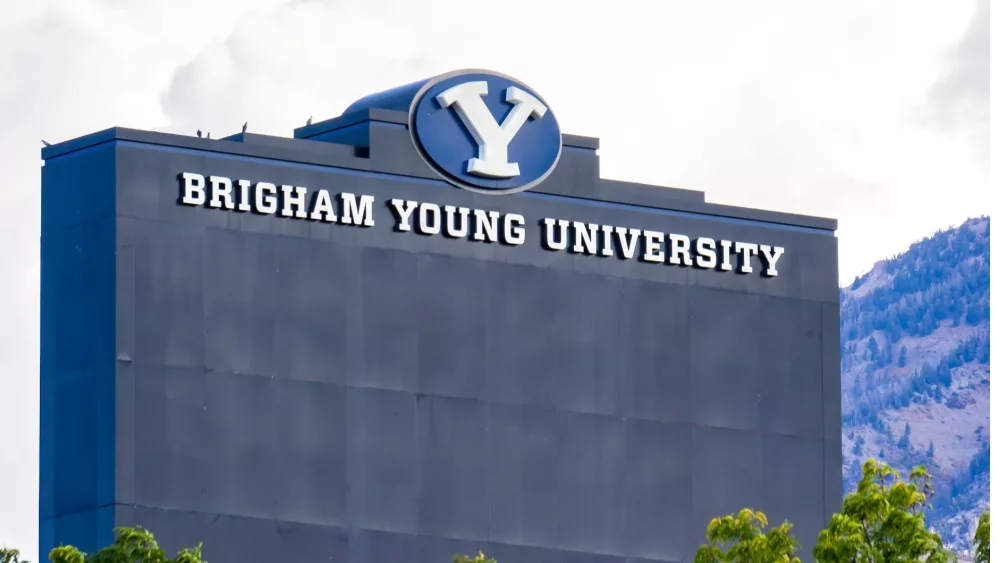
(492, 137)
(485, 132)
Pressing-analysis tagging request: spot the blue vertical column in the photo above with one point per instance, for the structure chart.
(77, 363)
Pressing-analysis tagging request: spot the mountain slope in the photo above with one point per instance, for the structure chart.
(915, 371)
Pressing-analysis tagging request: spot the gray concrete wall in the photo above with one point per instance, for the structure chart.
(298, 391)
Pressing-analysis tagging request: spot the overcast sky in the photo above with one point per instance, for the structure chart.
(874, 113)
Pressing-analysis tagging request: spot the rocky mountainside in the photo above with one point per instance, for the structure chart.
(915, 369)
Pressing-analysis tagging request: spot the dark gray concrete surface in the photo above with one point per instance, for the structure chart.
(286, 390)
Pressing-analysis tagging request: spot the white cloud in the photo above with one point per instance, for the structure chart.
(818, 108)
(960, 100)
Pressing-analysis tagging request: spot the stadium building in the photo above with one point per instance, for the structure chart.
(422, 328)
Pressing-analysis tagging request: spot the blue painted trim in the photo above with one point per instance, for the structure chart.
(444, 185)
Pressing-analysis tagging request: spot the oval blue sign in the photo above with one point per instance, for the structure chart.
(485, 132)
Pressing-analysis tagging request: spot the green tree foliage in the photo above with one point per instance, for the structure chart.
(982, 539)
(747, 541)
(479, 558)
(883, 521)
(11, 555)
(132, 545)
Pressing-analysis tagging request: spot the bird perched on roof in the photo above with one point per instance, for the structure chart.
(245, 126)
(199, 133)
(310, 120)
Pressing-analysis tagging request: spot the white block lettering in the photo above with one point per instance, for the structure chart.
(746, 249)
(607, 243)
(586, 237)
(551, 241)
(653, 241)
(593, 239)
(430, 219)
(357, 211)
(680, 250)
(293, 202)
(449, 221)
(194, 189)
(726, 252)
(222, 188)
(322, 208)
(244, 198)
(486, 225)
(513, 229)
(627, 241)
(404, 210)
(706, 253)
(266, 200)
(771, 255)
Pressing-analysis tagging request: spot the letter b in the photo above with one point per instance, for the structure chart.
(194, 189)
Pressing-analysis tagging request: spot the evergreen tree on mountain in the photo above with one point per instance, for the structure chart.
(904, 442)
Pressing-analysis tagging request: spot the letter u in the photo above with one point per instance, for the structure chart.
(449, 221)
(550, 239)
